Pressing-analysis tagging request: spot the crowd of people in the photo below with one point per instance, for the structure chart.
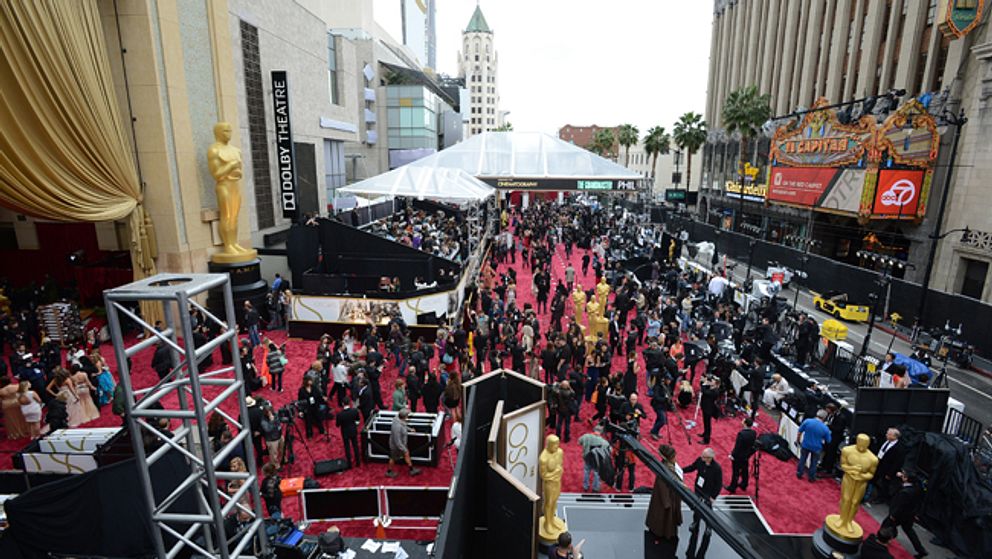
(49, 387)
(696, 347)
(436, 233)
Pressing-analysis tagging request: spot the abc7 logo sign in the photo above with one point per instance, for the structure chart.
(900, 193)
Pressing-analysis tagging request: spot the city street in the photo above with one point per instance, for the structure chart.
(969, 387)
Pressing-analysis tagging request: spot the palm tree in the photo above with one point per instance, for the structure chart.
(744, 111)
(602, 142)
(627, 135)
(690, 135)
(656, 143)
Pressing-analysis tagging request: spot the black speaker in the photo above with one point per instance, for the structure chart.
(333, 466)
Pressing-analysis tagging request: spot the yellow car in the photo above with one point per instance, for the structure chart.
(836, 304)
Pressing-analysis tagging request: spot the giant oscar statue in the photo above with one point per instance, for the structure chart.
(842, 533)
(579, 301)
(225, 165)
(242, 264)
(551, 466)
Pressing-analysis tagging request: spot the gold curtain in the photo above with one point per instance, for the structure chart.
(63, 152)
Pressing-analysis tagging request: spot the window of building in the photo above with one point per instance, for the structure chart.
(257, 138)
(335, 171)
(332, 69)
(973, 277)
(931, 11)
(477, 58)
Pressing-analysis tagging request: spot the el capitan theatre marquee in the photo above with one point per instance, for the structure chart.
(863, 169)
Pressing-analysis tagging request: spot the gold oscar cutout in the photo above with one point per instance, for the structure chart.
(551, 466)
(225, 165)
(859, 466)
(603, 292)
(579, 301)
(597, 323)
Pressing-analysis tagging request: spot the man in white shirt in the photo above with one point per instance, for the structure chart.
(717, 286)
(778, 389)
(340, 387)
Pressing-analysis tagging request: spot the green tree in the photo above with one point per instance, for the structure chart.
(657, 142)
(602, 142)
(506, 127)
(744, 111)
(690, 135)
(627, 135)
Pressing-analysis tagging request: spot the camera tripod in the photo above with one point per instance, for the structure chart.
(291, 431)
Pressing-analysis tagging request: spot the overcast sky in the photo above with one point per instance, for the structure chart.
(585, 62)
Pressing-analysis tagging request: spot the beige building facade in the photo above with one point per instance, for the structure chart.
(843, 50)
(478, 63)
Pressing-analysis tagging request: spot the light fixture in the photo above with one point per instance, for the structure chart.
(76, 257)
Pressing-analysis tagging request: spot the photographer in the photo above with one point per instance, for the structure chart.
(710, 389)
(313, 405)
(271, 430)
(806, 338)
(633, 412)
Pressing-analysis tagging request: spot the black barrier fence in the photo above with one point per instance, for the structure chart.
(824, 274)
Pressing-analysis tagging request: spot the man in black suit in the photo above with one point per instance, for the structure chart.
(709, 481)
(876, 546)
(891, 456)
(347, 419)
(710, 388)
(903, 508)
(741, 455)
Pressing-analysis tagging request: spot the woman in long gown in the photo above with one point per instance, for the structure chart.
(85, 391)
(13, 419)
(62, 383)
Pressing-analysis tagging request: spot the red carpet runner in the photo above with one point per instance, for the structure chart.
(790, 506)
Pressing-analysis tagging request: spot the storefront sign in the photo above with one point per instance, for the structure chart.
(752, 192)
(898, 193)
(798, 185)
(285, 153)
(820, 140)
(844, 195)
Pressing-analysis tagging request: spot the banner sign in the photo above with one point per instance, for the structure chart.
(285, 153)
(898, 193)
(600, 185)
(752, 192)
(798, 185)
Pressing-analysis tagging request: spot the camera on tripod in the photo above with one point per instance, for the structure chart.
(289, 412)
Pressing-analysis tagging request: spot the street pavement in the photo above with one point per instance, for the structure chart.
(972, 389)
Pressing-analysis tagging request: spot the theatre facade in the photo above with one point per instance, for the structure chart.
(838, 188)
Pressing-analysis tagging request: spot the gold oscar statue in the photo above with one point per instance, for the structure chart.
(603, 292)
(859, 466)
(225, 165)
(579, 301)
(551, 466)
(597, 324)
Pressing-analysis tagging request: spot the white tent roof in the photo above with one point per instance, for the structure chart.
(447, 185)
(525, 155)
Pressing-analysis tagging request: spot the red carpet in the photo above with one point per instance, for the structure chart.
(790, 506)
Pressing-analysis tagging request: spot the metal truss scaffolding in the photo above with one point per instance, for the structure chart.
(171, 417)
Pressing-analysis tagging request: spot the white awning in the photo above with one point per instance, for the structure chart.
(532, 155)
(440, 184)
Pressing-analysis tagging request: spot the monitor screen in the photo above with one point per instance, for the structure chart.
(340, 504)
(416, 502)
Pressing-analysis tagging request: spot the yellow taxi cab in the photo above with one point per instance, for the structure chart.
(836, 304)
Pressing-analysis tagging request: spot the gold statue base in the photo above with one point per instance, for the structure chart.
(551, 538)
(227, 258)
(855, 532)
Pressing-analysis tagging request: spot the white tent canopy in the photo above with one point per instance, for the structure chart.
(525, 155)
(441, 184)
